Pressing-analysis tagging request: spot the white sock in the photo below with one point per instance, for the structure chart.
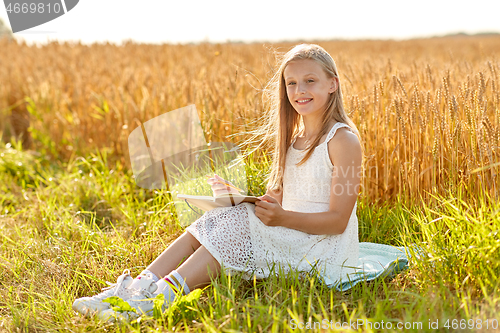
(170, 285)
(141, 276)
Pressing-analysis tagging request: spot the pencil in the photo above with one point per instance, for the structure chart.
(229, 185)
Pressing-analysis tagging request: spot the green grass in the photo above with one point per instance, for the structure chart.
(66, 228)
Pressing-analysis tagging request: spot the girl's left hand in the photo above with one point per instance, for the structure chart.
(269, 211)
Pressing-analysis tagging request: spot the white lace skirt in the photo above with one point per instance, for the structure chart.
(240, 242)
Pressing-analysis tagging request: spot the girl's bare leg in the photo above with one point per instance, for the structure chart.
(175, 254)
(198, 269)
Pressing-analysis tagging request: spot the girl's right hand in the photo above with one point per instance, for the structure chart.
(218, 186)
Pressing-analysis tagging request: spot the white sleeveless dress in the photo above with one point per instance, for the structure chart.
(240, 242)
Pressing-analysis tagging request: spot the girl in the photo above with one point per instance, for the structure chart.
(307, 216)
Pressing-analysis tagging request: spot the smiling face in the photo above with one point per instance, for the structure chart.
(307, 86)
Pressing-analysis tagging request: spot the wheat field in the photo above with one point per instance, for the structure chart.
(72, 217)
(428, 110)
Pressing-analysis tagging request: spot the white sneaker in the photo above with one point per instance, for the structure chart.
(141, 302)
(91, 305)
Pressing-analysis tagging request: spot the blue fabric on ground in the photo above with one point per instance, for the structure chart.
(375, 260)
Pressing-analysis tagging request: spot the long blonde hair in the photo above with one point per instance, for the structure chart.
(281, 123)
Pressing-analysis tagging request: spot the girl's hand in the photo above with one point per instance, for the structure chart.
(269, 211)
(218, 186)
